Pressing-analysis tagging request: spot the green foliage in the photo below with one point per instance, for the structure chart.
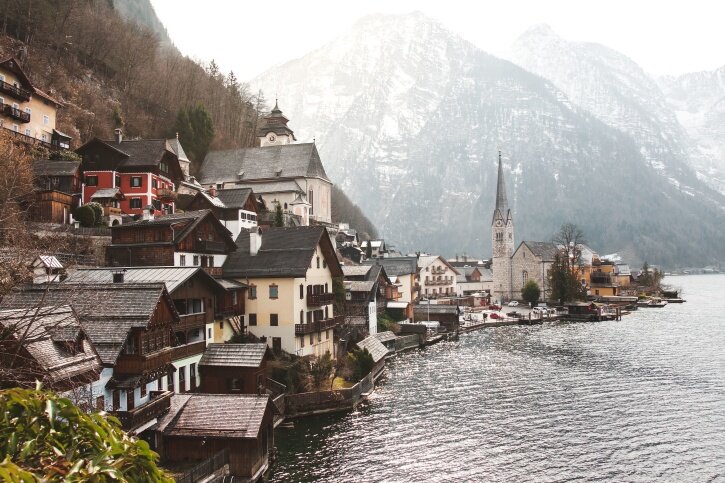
(44, 437)
(369, 250)
(85, 215)
(338, 288)
(117, 117)
(361, 362)
(278, 215)
(650, 278)
(564, 283)
(320, 369)
(64, 155)
(97, 210)
(195, 128)
(387, 322)
(531, 292)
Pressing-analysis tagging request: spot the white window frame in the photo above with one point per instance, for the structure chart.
(28, 132)
(46, 119)
(28, 110)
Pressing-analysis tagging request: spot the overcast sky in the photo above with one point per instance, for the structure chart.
(249, 37)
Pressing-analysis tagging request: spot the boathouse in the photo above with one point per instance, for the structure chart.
(234, 368)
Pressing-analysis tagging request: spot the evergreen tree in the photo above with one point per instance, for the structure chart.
(278, 215)
(531, 292)
(196, 131)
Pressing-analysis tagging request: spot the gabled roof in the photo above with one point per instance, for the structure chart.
(355, 270)
(172, 277)
(48, 167)
(44, 330)
(396, 266)
(233, 355)
(361, 286)
(385, 336)
(138, 153)
(175, 146)
(544, 250)
(48, 261)
(234, 197)
(105, 193)
(267, 163)
(12, 65)
(215, 416)
(106, 312)
(285, 252)
(194, 219)
(374, 347)
(426, 260)
(266, 187)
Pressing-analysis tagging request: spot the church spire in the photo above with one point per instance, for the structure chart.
(502, 205)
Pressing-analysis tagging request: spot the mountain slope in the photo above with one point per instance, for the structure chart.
(409, 117)
(698, 100)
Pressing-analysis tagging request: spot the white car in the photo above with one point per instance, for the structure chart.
(513, 303)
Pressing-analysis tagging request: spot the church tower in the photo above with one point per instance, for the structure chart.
(274, 130)
(502, 240)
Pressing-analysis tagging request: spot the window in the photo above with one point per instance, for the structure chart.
(252, 292)
(135, 203)
(208, 333)
(252, 319)
(192, 375)
(273, 291)
(327, 334)
(311, 200)
(182, 260)
(156, 204)
(318, 262)
(273, 320)
(163, 167)
(204, 261)
(211, 261)
(182, 379)
(129, 399)
(324, 263)
(46, 120)
(154, 183)
(27, 110)
(235, 385)
(92, 180)
(525, 276)
(16, 128)
(196, 260)
(116, 400)
(100, 403)
(117, 181)
(196, 306)
(312, 339)
(136, 181)
(143, 390)
(302, 291)
(302, 316)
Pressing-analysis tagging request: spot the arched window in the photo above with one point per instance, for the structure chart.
(318, 262)
(525, 277)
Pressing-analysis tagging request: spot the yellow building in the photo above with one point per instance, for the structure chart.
(289, 273)
(26, 110)
(603, 278)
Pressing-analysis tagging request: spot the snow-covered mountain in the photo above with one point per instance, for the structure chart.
(617, 91)
(409, 118)
(698, 100)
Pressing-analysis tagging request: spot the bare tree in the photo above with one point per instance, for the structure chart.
(570, 240)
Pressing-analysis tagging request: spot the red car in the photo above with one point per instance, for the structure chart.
(494, 307)
(496, 316)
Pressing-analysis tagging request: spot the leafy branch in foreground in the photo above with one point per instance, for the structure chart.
(44, 437)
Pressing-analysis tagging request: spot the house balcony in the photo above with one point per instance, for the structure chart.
(392, 295)
(209, 246)
(134, 364)
(318, 325)
(225, 312)
(112, 211)
(15, 91)
(188, 350)
(320, 299)
(191, 321)
(28, 139)
(603, 279)
(15, 113)
(166, 194)
(158, 405)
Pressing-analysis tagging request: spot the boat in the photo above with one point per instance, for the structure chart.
(652, 303)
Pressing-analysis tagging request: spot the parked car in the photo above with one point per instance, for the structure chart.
(514, 314)
(494, 307)
(496, 316)
(513, 303)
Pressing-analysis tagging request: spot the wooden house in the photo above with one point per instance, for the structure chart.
(367, 288)
(199, 299)
(199, 426)
(50, 346)
(193, 238)
(377, 350)
(57, 190)
(130, 326)
(146, 171)
(234, 368)
(236, 208)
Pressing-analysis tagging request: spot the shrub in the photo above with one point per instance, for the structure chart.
(85, 215)
(98, 210)
(362, 363)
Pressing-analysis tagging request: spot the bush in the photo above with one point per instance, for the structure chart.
(362, 363)
(531, 292)
(98, 210)
(85, 215)
(44, 437)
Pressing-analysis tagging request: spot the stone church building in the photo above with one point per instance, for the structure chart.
(513, 268)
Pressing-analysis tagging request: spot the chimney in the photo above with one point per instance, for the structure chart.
(212, 191)
(118, 276)
(255, 241)
(148, 213)
(119, 135)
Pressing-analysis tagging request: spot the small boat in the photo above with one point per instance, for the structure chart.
(652, 303)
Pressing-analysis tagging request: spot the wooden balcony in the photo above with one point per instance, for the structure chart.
(15, 113)
(391, 294)
(158, 405)
(139, 364)
(111, 210)
(209, 246)
(188, 350)
(318, 325)
(166, 194)
(224, 312)
(192, 321)
(29, 139)
(15, 91)
(320, 299)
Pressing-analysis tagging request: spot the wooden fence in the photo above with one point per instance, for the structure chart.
(327, 401)
(405, 342)
(205, 468)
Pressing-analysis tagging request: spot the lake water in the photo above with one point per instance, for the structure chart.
(641, 399)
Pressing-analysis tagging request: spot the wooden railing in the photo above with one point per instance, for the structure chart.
(188, 350)
(205, 468)
(30, 139)
(318, 325)
(329, 400)
(191, 321)
(319, 299)
(15, 113)
(158, 405)
(209, 246)
(15, 91)
(138, 364)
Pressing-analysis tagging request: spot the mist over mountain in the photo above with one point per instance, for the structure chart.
(409, 117)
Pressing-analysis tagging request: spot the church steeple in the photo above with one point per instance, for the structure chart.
(502, 206)
(274, 129)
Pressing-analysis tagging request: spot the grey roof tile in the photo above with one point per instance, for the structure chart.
(234, 355)
(218, 415)
(374, 346)
(47, 167)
